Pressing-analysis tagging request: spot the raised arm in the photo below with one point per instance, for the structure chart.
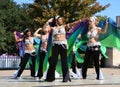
(17, 39)
(36, 33)
(103, 31)
(47, 24)
(70, 25)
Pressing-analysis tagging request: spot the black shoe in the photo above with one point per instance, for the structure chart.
(67, 80)
(84, 78)
(49, 80)
(97, 78)
(33, 75)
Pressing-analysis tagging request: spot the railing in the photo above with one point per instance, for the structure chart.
(9, 62)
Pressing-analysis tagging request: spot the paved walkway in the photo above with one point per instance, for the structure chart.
(112, 79)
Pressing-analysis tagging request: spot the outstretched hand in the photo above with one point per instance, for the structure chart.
(107, 22)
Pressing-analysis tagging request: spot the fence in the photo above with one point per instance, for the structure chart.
(9, 62)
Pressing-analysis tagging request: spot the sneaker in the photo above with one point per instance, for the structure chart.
(37, 78)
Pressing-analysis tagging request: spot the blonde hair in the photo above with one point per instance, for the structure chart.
(93, 19)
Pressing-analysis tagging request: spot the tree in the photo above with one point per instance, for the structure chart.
(42, 10)
(101, 18)
(12, 16)
(3, 39)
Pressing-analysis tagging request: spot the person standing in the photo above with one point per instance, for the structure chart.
(29, 52)
(59, 46)
(93, 47)
(20, 44)
(43, 47)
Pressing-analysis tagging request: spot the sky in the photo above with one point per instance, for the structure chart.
(112, 11)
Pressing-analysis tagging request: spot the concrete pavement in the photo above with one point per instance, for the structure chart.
(111, 75)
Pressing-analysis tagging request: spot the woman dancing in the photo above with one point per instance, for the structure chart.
(43, 47)
(28, 52)
(59, 46)
(93, 47)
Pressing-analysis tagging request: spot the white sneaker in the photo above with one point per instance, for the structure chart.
(37, 78)
(101, 77)
(75, 76)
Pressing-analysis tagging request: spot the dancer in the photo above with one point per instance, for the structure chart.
(19, 40)
(93, 47)
(43, 47)
(28, 52)
(59, 46)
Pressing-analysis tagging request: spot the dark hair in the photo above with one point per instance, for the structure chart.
(57, 17)
(26, 30)
(53, 23)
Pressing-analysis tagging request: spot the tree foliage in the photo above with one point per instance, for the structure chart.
(12, 16)
(42, 10)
